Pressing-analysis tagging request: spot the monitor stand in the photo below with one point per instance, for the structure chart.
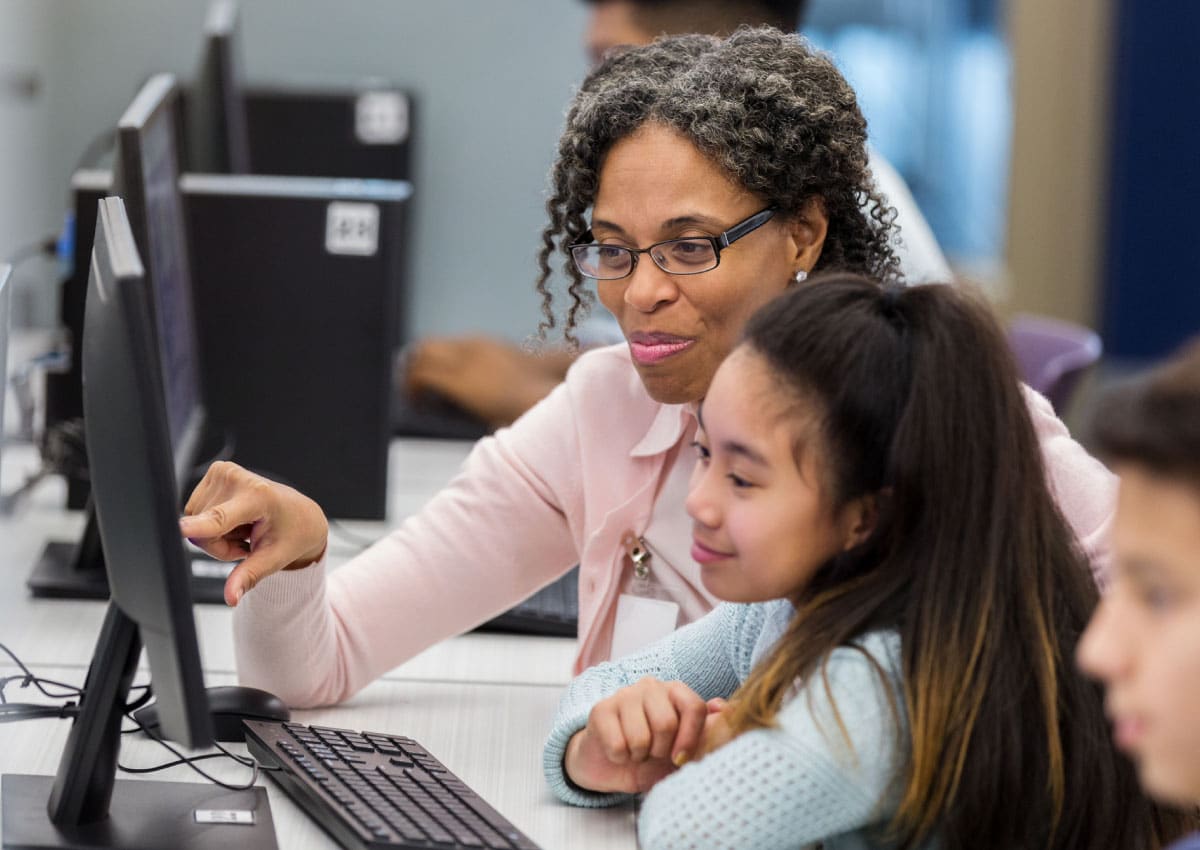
(76, 570)
(84, 806)
(141, 816)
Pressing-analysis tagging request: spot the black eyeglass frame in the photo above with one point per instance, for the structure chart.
(727, 238)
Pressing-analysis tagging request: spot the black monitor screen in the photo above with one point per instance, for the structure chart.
(148, 180)
(218, 137)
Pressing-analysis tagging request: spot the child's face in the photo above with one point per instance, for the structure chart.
(761, 526)
(1144, 640)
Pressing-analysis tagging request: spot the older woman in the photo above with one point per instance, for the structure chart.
(717, 173)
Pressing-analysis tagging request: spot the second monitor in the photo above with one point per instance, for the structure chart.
(147, 178)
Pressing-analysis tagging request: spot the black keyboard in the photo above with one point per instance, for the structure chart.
(434, 416)
(371, 790)
(553, 610)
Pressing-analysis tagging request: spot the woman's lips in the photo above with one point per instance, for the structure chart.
(701, 554)
(650, 348)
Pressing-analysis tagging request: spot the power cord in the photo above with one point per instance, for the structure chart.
(190, 761)
(13, 712)
(10, 712)
(27, 678)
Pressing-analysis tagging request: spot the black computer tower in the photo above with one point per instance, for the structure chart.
(329, 132)
(299, 306)
(64, 390)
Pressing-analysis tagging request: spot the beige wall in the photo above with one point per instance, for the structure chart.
(1060, 108)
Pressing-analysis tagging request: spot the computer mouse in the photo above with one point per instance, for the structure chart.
(229, 706)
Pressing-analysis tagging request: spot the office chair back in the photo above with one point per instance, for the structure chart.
(1053, 355)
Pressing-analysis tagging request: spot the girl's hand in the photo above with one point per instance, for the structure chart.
(636, 737)
(717, 731)
(235, 515)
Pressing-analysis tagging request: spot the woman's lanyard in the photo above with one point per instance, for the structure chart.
(645, 612)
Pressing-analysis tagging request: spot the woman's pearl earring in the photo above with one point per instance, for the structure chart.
(801, 275)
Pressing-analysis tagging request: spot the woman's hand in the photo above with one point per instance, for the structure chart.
(636, 737)
(235, 515)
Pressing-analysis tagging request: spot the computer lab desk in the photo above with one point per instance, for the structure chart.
(482, 703)
(490, 735)
(56, 631)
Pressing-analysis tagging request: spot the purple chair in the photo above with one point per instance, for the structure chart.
(1052, 355)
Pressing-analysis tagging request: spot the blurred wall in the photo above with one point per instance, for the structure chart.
(1056, 216)
(27, 210)
(492, 79)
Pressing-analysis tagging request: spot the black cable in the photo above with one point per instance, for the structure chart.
(166, 764)
(11, 712)
(41, 684)
(249, 761)
(190, 761)
(30, 679)
(147, 695)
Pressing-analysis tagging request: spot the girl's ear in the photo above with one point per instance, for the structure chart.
(859, 519)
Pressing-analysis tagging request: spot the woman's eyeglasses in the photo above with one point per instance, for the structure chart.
(690, 255)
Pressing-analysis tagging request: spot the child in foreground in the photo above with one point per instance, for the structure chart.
(1144, 639)
(870, 496)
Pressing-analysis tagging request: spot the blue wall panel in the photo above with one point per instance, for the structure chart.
(1152, 268)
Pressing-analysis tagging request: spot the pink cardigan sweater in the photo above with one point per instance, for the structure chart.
(560, 487)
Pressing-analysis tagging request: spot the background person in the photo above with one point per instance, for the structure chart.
(1144, 641)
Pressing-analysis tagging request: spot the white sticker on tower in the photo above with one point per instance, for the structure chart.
(352, 229)
(381, 118)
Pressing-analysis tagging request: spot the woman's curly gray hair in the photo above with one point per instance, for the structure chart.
(773, 112)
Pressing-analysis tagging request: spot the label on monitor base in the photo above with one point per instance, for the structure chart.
(236, 817)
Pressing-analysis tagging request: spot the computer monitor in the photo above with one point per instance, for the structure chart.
(134, 489)
(146, 176)
(217, 140)
(5, 301)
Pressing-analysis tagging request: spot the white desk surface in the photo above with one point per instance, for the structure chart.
(418, 469)
(482, 703)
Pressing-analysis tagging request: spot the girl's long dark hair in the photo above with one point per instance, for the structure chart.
(971, 562)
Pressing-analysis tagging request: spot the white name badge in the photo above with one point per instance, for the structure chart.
(640, 622)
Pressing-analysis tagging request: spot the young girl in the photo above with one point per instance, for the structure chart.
(1144, 640)
(869, 491)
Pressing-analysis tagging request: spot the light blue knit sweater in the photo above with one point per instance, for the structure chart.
(791, 786)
